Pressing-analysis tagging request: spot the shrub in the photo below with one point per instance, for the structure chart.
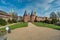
(9, 21)
(2, 22)
(54, 21)
(20, 21)
(14, 21)
(47, 21)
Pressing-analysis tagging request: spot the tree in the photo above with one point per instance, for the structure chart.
(16, 16)
(2, 22)
(54, 21)
(14, 21)
(54, 17)
(46, 20)
(9, 21)
(58, 14)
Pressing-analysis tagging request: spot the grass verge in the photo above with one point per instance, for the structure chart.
(18, 25)
(46, 25)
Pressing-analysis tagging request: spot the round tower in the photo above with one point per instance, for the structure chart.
(33, 16)
(25, 17)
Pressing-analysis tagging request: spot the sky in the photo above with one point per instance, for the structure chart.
(42, 7)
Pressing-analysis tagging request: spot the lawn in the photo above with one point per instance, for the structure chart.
(39, 24)
(18, 25)
(0, 25)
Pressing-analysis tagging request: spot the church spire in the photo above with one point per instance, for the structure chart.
(35, 11)
(11, 10)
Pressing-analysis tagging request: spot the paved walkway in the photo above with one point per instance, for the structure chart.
(33, 32)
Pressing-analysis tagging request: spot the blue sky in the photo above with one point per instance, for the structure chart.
(42, 7)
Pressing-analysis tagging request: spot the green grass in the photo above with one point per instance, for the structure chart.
(47, 25)
(2, 31)
(19, 25)
(0, 25)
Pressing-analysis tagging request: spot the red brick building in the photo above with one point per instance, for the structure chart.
(32, 17)
(28, 17)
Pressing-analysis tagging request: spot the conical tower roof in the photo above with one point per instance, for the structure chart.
(25, 13)
(32, 13)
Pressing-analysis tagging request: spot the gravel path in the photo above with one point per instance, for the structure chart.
(33, 32)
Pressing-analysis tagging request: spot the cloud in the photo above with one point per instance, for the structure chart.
(4, 2)
(3, 8)
(27, 8)
(24, 0)
(49, 1)
(42, 6)
(57, 2)
(46, 8)
(19, 1)
(45, 5)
